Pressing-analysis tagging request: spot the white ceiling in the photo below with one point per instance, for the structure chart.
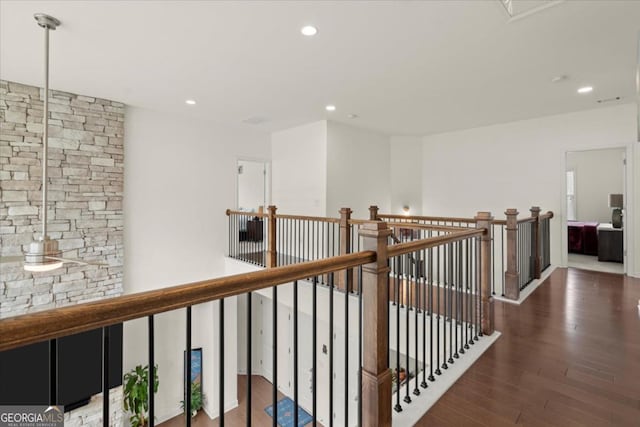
(404, 67)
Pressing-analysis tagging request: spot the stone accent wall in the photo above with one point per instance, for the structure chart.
(86, 175)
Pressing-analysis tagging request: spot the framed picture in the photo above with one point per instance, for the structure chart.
(196, 367)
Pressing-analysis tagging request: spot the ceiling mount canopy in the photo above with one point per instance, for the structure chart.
(46, 21)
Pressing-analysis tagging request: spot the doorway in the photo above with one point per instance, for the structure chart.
(253, 185)
(595, 192)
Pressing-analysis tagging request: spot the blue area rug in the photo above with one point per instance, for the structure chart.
(285, 414)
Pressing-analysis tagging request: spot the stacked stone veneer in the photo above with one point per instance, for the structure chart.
(86, 174)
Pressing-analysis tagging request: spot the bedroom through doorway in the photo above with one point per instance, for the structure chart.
(595, 200)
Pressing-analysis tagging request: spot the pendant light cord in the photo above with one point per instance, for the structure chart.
(45, 136)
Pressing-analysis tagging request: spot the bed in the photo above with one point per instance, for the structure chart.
(583, 237)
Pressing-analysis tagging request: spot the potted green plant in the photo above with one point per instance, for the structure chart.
(136, 393)
(197, 399)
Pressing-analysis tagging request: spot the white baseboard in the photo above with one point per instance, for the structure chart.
(233, 405)
(529, 289)
(411, 413)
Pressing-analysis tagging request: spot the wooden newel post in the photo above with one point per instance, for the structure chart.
(536, 247)
(272, 252)
(511, 275)
(373, 213)
(345, 281)
(487, 320)
(376, 375)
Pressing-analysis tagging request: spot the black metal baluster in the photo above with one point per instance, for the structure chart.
(295, 353)
(309, 241)
(346, 349)
(187, 372)
(493, 260)
(453, 350)
(445, 295)
(406, 278)
(221, 372)
(53, 372)
(479, 291)
(430, 301)
(423, 266)
(290, 251)
(249, 356)
(336, 241)
(323, 242)
(416, 279)
(105, 376)
(274, 391)
(314, 325)
(298, 241)
(330, 347)
(474, 276)
(467, 291)
(397, 406)
(450, 285)
(438, 258)
(391, 296)
(502, 257)
(360, 334)
(152, 373)
(457, 293)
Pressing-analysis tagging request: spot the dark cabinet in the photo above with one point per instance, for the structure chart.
(610, 243)
(254, 230)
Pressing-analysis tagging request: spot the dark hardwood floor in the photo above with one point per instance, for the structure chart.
(568, 356)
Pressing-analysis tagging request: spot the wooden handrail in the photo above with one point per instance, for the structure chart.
(229, 212)
(309, 218)
(417, 245)
(424, 226)
(547, 215)
(428, 218)
(499, 222)
(55, 323)
(354, 221)
(525, 220)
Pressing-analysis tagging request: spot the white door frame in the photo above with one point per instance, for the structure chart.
(629, 213)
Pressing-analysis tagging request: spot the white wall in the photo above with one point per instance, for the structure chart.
(522, 163)
(598, 173)
(179, 179)
(358, 170)
(406, 174)
(299, 169)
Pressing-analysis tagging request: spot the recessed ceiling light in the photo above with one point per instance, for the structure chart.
(585, 89)
(330, 108)
(190, 102)
(309, 30)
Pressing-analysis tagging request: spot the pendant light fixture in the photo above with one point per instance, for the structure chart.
(44, 253)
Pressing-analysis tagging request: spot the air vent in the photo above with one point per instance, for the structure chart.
(608, 100)
(254, 120)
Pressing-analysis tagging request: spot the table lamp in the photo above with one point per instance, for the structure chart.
(615, 202)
